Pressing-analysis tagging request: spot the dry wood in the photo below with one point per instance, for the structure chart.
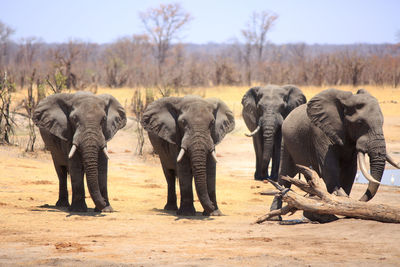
(329, 203)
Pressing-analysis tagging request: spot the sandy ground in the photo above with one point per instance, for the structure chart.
(140, 233)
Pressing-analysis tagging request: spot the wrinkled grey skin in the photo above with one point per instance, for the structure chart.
(87, 121)
(195, 125)
(328, 132)
(267, 107)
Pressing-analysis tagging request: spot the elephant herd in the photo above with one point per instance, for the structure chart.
(331, 133)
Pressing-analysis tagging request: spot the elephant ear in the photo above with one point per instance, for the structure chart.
(294, 98)
(249, 111)
(224, 120)
(160, 118)
(52, 114)
(325, 111)
(116, 116)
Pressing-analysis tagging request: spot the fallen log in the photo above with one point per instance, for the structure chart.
(328, 203)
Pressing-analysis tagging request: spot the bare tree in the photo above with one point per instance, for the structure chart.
(6, 122)
(30, 103)
(139, 105)
(26, 57)
(5, 33)
(66, 56)
(255, 36)
(164, 24)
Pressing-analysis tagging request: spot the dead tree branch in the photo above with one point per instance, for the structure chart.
(328, 203)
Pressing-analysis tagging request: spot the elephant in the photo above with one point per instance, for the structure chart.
(264, 109)
(75, 129)
(184, 132)
(330, 133)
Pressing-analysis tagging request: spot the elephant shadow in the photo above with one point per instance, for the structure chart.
(198, 217)
(52, 208)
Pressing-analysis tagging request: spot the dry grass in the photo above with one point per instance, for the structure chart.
(388, 97)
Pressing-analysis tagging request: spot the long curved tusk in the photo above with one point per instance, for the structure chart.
(180, 156)
(214, 155)
(72, 151)
(253, 132)
(361, 163)
(106, 152)
(391, 161)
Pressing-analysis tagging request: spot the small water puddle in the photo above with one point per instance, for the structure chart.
(390, 177)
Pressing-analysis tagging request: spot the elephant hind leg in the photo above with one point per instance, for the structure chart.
(287, 168)
(170, 176)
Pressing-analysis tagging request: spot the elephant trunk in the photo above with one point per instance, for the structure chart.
(377, 160)
(269, 129)
(90, 155)
(198, 161)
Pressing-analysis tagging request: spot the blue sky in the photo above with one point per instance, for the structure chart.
(309, 21)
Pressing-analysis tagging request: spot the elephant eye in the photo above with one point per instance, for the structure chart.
(74, 118)
(359, 106)
(183, 122)
(212, 123)
(103, 119)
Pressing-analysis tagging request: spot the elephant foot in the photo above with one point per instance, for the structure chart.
(186, 211)
(216, 212)
(275, 219)
(321, 218)
(259, 178)
(274, 178)
(63, 203)
(106, 209)
(79, 206)
(170, 206)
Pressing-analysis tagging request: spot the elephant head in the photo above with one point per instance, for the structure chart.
(265, 108)
(194, 125)
(353, 120)
(86, 122)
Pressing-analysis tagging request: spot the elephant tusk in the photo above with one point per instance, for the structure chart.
(254, 132)
(214, 155)
(72, 151)
(361, 163)
(391, 161)
(106, 153)
(180, 156)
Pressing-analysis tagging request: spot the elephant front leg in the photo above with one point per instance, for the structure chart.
(78, 190)
(211, 186)
(103, 168)
(185, 183)
(63, 191)
(259, 175)
(171, 198)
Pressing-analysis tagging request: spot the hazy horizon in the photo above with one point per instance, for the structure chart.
(311, 22)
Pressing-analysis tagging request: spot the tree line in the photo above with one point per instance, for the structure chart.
(157, 59)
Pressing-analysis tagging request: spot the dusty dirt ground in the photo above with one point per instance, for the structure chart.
(140, 233)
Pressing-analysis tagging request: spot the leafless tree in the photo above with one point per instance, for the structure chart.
(30, 103)
(26, 57)
(164, 24)
(5, 33)
(66, 56)
(6, 122)
(255, 36)
(139, 105)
